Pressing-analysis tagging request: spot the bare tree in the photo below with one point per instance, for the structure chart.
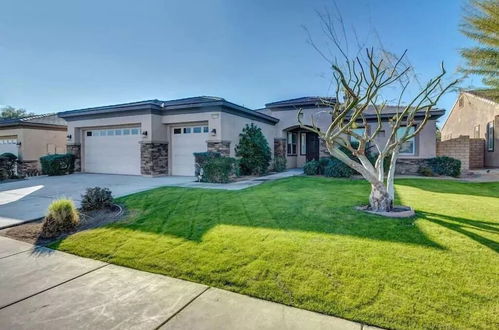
(358, 83)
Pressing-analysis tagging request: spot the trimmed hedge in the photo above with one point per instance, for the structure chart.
(279, 164)
(58, 164)
(202, 157)
(311, 168)
(218, 170)
(7, 166)
(444, 165)
(337, 169)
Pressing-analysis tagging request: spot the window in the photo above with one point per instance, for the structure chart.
(177, 131)
(110, 132)
(358, 131)
(102, 133)
(196, 130)
(187, 130)
(89, 133)
(490, 136)
(409, 146)
(135, 131)
(126, 131)
(205, 129)
(117, 132)
(303, 143)
(291, 143)
(476, 132)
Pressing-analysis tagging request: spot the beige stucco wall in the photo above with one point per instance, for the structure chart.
(37, 142)
(76, 127)
(425, 141)
(474, 112)
(232, 126)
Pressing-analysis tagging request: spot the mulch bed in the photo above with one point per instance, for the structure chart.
(30, 232)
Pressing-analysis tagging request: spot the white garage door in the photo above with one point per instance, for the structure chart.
(8, 144)
(112, 150)
(187, 140)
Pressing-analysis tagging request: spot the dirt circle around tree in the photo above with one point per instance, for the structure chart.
(399, 211)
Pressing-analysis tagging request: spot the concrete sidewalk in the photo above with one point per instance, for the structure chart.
(46, 289)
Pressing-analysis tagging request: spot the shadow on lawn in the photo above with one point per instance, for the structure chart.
(463, 226)
(191, 213)
(309, 205)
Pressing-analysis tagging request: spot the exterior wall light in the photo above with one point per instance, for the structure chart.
(19, 143)
(69, 136)
(144, 133)
(214, 132)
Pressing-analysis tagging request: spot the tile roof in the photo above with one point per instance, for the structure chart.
(488, 94)
(159, 105)
(43, 119)
(300, 101)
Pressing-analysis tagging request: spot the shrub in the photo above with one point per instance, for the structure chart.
(96, 199)
(444, 165)
(202, 157)
(62, 217)
(253, 150)
(338, 169)
(218, 170)
(279, 164)
(323, 163)
(311, 168)
(8, 163)
(426, 171)
(58, 164)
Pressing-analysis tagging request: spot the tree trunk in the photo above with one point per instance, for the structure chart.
(380, 200)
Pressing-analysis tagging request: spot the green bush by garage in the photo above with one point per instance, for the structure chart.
(58, 164)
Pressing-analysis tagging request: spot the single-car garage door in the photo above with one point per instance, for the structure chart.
(112, 150)
(187, 140)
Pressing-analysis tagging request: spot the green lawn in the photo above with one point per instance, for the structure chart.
(298, 241)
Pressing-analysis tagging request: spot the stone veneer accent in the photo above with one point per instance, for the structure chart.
(75, 149)
(279, 147)
(28, 168)
(469, 151)
(153, 158)
(223, 147)
(410, 166)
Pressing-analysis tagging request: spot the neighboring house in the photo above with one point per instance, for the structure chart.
(30, 138)
(159, 137)
(476, 116)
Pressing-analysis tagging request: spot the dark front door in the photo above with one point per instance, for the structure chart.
(312, 146)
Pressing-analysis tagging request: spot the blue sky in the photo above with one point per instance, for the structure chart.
(62, 55)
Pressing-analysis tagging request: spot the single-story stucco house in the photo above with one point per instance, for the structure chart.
(474, 117)
(159, 137)
(29, 138)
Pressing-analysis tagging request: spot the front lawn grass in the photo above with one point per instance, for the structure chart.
(298, 241)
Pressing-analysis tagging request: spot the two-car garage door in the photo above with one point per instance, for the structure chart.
(112, 150)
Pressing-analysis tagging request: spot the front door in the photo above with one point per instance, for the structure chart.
(312, 146)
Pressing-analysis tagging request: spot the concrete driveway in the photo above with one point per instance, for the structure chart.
(26, 200)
